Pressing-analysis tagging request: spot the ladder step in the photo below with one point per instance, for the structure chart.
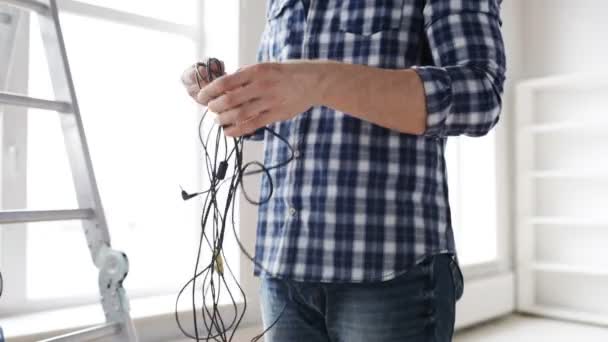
(31, 5)
(22, 216)
(90, 334)
(30, 102)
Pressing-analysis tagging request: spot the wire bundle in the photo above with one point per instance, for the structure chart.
(214, 219)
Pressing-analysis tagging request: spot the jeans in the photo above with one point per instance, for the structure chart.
(414, 307)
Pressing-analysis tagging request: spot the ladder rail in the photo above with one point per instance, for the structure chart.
(10, 18)
(85, 183)
(113, 265)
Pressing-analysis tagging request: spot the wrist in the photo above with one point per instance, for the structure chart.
(313, 76)
(325, 74)
(319, 79)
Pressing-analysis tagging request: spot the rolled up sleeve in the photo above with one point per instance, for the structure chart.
(464, 86)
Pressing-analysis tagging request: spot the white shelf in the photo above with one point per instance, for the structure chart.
(556, 220)
(580, 81)
(545, 133)
(564, 126)
(570, 174)
(570, 269)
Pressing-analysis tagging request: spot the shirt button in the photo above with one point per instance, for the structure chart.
(292, 211)
(297, 154)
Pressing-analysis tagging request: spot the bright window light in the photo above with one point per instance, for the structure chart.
(141, 129)
(182, 12)
(472, 184)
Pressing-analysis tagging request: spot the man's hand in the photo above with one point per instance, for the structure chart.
(258, 95)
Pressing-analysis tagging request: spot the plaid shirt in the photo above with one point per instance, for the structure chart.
(361, 202)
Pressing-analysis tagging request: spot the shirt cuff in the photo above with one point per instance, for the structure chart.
(437, 85)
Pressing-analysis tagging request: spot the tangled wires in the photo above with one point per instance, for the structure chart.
(220, 155)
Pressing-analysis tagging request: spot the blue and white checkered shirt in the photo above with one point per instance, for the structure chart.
(362, 202)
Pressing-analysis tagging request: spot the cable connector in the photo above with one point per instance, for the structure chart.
(186, 196)
(221, 170)
(219, 263)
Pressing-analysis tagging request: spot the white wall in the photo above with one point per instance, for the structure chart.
(252, 22)
(252, 18)
(564, 36)
(513, 34)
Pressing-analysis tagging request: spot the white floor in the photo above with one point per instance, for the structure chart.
(513, 328)
(518, 328)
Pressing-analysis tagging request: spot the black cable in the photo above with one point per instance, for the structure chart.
(214, 217)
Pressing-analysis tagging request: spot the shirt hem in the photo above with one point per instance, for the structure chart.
(386, 277)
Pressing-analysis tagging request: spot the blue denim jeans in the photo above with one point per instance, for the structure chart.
(418, 306)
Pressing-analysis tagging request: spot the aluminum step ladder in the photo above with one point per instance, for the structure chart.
(113, 265)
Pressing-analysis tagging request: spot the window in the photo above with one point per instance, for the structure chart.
(473, 197)
(122, 93)
(141, 130)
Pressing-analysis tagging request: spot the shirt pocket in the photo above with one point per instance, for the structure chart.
(285, 22)
(367, 17)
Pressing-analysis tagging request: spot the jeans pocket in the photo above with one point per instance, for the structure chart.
(458, 279)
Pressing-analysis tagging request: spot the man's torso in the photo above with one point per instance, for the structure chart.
(361, 202)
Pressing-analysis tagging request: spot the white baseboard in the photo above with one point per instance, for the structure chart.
(485, 299)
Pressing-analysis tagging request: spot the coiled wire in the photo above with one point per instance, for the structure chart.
(213, 226)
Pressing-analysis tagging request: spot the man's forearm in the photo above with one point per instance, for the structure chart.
(264, 93)
(394, 99)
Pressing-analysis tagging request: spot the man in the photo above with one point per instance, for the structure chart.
(356, 243)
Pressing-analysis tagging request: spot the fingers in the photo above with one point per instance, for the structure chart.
(223, 85)
(243, 113)
(251, 125)
(194, 82)
(217, 69)
(233, 99)
(192, 90)
(189, 77)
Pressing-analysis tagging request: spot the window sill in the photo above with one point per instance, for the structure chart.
(483, 270)
(153, 317)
